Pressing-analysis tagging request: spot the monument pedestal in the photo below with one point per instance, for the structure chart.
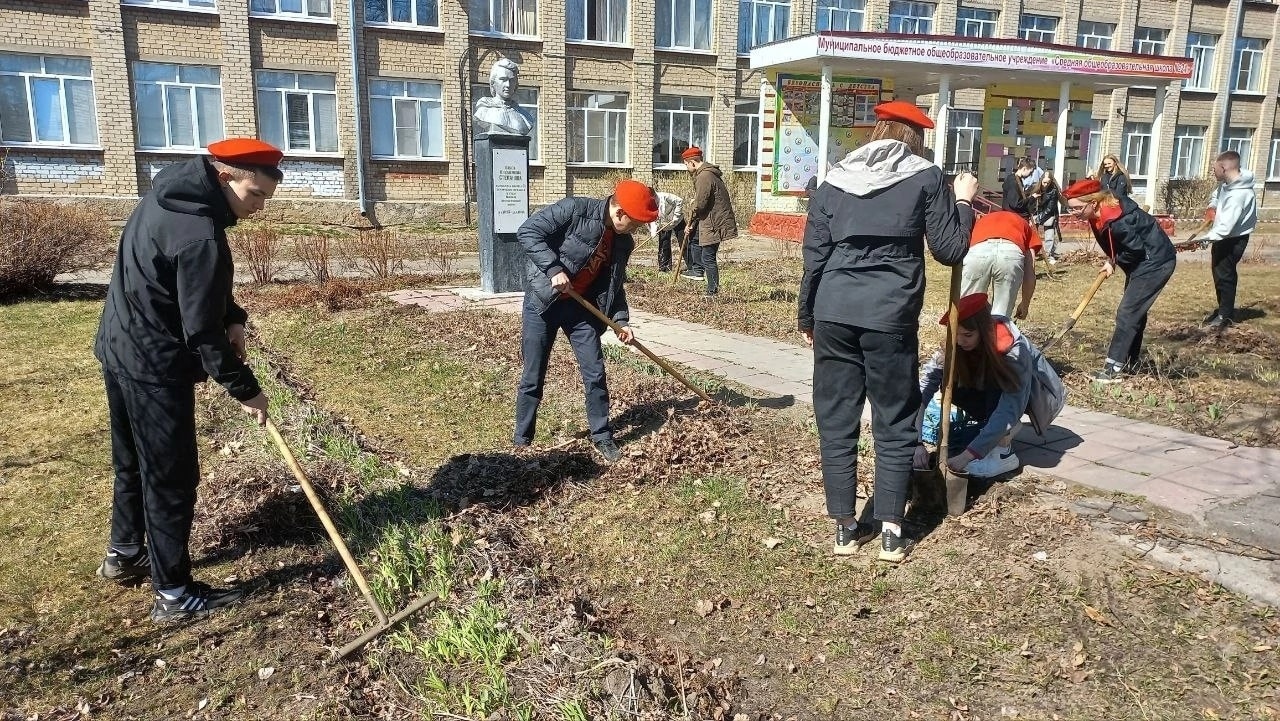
(502, 198)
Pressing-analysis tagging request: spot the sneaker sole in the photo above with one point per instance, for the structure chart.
(1106, 381)
(121, 576)
(894, 557)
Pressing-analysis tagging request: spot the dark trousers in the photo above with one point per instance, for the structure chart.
(850, 364)
(153, 452)
(692, 258)
(706, 259)
(664, 244)
(538, 334)
(1142, 286)
(1226, 255)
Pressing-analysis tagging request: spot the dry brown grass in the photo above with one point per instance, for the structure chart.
(41, 239)
(257, 245)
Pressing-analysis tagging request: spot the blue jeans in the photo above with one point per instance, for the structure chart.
(538, 334)
(705, 256)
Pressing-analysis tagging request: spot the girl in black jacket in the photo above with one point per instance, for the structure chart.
(1047, 215)
(1114, 178)
(1134, 242)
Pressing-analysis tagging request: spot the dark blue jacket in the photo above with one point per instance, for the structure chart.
(169, 302)
(1134, 238)
(561, 238)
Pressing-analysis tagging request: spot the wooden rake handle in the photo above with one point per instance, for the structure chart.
(957, 486)
(617, 329)
(1075, 316)
(329, 528)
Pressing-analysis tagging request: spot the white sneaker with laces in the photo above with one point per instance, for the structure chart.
(999, 461)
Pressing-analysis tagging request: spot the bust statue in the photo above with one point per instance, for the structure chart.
(499, 114)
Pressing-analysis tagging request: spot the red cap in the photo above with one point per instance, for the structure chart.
(903, 112)
(693, 152)
(246, 151)
(637, 200)
(967, 306)
(1087, 186)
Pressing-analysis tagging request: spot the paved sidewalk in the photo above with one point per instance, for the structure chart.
(1233, 490)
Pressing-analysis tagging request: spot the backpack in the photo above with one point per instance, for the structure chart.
(1048, 395)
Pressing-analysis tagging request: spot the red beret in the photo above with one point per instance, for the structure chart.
(246, 151)
(967, 306)
(1087, 186)
(692, 152)
(637, 200)
(903, 112)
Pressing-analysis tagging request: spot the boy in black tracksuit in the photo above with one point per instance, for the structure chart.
(859, 305)
(169, 323)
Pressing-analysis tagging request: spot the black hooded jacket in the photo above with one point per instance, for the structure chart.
(1134, 238)
(169, 302)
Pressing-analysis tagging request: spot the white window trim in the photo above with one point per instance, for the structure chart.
(993, 23)
(444, 138)
(1177, 142)
(914, 19)
(1213, 53)
(311, 113)
(600, 44)
(626, 31)
(829, 11)
(671, 124)
(1258, 71)
(1136, 173)
(505, 36)
(786, 32)
(711, 35)
(1163, 44)
(66, 112)
(626, 144)
(754, 104)
(195, 128)
(498, 34)
(1273, 160)
(300, 17)
(1023, 30)
(170, 7)
(412, 27)
(1082, 37)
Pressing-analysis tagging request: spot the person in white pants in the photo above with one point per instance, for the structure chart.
(1002, 258)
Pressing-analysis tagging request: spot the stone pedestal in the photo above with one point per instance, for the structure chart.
(502, 198)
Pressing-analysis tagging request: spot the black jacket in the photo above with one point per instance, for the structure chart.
(864, 255)
(169, 302)
(1117, 183)
(1049, 209)
(1014, 199)
(562, 237)
(1134, 238)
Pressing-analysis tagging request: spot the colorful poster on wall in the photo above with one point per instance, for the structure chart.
(795, 150)
(1021, 121)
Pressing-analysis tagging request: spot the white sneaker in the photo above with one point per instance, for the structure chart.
(999, 461)
(1053, 260)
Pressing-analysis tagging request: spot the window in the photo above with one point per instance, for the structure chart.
(762, 21)
(965, 144)
(976, 23)
(421, 13)
(678, 123)
(1241, 141)
(177, 4)
(1250, 64)
(47, 100)
(597, 127)
(1188, 152)
(746, 134)
(406, 119)
(910, 17)
(1201, 48)
(527, 99)
(1137, 148)
(503, 17)
(291, 8)
(683, 24)
(1094, 157)
(178, 106)
(841, 14)
(601, 21)
(1150, 41)
(1039, 28)
(1096, 36)
(298, 112)
(1273, 164)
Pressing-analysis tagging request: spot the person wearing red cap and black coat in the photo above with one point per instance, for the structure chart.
(860, 301)
(1133, 241)
(711, 220)
(170, 321)
(583, 244)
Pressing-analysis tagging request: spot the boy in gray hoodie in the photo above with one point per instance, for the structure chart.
(1234, 219)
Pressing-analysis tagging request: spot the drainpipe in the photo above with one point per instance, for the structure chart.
(1232, 68)
(464, 121)
(359, 108)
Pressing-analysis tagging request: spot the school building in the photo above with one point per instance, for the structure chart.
(371, 99)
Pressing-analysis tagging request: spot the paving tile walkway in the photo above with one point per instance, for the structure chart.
(1233, 490)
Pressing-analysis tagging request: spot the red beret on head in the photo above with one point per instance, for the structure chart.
(637, 200)
(246, 151)
(903, 112)
(1082, 187)
(967, 306)
(692, 152)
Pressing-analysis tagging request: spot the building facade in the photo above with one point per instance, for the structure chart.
(371, 99)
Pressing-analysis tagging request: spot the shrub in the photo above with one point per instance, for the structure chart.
(41, 239)
(313, 252)
(378, 253)
(257, 245)
(1187, 197)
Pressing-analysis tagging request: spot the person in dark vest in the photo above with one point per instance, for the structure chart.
(170, 321)
(710, 218)
(583, 244)
(1133, 241)
(859, 307)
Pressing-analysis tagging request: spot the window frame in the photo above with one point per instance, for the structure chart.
(65, 114)
(625, 25)
(419, 102)
(753, 131)
(963, 23)
(1138, 170)
(1025, 29)
(830, 8)
(400, 24)
(1211, 51)
(490, 31)
(1257, 65)
(1273, 161)
(972, 124)
(771, 9)
(575, 102)
(692, 8)
(179, 5)
(313, 117)
(1098, 40)
(903, 19)
(196, 125)
(691, 115)
(1188, 163)
(305, 15)
(1242, 143)
(1097, 132)
(1139, 42)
